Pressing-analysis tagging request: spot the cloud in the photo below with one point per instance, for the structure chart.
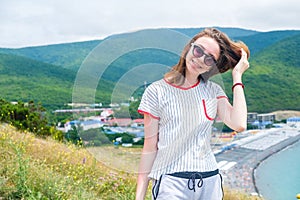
(271, 15)
(37, 22)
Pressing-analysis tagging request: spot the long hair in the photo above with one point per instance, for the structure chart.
(230, 54)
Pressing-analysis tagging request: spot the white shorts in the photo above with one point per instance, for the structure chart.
(189, 186)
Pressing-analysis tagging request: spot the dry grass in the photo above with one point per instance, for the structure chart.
(33, 168)
(121, 158)
(284, 114)
(231, 194)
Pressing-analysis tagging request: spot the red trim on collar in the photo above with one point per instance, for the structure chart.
(182, 88)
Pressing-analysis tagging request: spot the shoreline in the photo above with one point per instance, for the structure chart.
(286, 145)
(243, 160)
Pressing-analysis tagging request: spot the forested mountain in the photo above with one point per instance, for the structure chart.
(48, 73)
(262, 40)
(24, 79)
(69, 55)
(275, 77)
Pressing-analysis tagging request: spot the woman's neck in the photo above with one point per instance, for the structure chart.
(190, 81)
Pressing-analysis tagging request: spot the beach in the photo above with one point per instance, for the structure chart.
(237, 165)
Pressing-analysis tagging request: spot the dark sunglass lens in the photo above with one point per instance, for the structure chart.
(209, 61)
(198, 52)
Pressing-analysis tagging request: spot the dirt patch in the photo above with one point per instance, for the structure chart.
(284, 114)
(121, 158)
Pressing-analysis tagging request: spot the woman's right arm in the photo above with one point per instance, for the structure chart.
(148, 155)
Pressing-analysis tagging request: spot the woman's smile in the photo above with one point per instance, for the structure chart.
(196, 65)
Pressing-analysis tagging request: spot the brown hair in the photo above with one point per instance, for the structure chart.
(230, 54)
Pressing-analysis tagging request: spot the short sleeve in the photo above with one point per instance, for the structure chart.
(219, 92)
(149, 103)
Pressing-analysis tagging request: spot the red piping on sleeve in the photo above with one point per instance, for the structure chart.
(220, 97)
(147, 113)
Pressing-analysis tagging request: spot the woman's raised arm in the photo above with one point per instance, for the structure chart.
(235, 115)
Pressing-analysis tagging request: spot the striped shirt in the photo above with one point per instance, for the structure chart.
(185, 119)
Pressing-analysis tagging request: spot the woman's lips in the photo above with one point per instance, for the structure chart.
(196, 65)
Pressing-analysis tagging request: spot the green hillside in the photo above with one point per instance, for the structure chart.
(69, 55)
(231, 32)
(272, 82)
(268, 80)
(261, 40)
(25, 79)
(273, 76)
(276, 73)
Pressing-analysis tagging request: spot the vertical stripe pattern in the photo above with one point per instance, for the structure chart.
(185, 125)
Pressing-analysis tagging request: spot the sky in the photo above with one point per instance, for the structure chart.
(26, 23)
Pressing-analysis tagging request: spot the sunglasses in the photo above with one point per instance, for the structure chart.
(198, 52)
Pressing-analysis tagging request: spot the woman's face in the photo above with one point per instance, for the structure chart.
(202, 56)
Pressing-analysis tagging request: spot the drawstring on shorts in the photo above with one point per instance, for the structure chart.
(193, 178)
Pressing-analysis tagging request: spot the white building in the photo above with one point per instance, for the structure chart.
(91, 124)
(293, 121)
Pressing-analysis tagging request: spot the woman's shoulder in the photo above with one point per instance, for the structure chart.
(154, 86)
(213, 85)
(157, 83)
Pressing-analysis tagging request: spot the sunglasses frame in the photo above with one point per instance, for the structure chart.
(206, 56)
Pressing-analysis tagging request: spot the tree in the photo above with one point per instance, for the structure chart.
(73, 135)
(133, 110)
(25, 117)
(122, 112)
(127, 138)
(95, 137)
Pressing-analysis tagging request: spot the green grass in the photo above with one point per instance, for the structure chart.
(34, 168)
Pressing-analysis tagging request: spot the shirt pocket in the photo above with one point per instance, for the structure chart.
(210, 108)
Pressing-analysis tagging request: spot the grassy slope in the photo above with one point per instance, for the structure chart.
(33, 168)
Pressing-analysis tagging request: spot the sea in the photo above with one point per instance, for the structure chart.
(278, 177)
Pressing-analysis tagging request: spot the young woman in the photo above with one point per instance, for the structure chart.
(179, 111)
